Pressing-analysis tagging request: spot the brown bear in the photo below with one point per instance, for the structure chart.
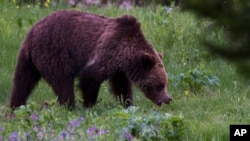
(94, 48)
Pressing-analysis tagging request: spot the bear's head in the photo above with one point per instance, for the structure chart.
(146, 68)
(153, 80)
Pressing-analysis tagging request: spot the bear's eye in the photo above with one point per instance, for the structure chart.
(160, 87)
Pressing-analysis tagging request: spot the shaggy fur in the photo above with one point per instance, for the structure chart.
(95, 48)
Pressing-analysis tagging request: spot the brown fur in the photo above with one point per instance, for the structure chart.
(95, 48)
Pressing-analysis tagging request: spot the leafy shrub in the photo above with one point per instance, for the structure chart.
(195, 79)
(151, 126)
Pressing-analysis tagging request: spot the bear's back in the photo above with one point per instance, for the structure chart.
(64, 29)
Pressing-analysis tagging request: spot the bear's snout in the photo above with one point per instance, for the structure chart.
(163, 99)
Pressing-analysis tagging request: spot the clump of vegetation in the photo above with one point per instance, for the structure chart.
(50, 123)
(151, 126)
(195, 79)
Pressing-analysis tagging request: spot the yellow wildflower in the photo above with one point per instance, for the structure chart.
(186, 92)
(46, 4)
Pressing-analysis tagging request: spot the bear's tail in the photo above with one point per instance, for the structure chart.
(25, 78)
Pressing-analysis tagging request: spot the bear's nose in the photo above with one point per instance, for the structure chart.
(170, 99)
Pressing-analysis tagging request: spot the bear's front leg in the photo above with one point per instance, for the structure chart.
(121, 88)
(90, 89)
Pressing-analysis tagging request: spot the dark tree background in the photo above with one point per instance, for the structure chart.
(234, 17)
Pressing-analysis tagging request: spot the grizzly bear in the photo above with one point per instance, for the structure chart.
(94, 48)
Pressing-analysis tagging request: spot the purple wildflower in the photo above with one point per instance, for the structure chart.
(81, 119)
(71, 127)
(74, 124)
(35, 129)
(77, 123)
(1, 137)
(34, 117)
(62, 135)
(103, 131)
(41, 134)
(1, 129)
(93, 131)
(51, 130)
(14, 136)
(128, 136)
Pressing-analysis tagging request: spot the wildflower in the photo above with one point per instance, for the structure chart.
(35, 129)
(51, 130)
(1, 129)
(186, 92)
(46, 4)
(14, 136)
(62, 135)
(93, 131)
(71, 127)
(42, 133)
(75, 124)
(34, 117)
(128, 136)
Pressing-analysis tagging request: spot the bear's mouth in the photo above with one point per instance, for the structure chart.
(159, 102)
(160, 99)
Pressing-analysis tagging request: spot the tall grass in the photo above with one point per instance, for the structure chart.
(206, 111)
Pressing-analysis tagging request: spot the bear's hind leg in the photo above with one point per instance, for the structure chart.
(121, 88)
(25, 78)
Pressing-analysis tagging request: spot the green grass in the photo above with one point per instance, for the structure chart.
(206, 111)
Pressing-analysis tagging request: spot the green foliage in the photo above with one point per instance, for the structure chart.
(195, 79)
(56, 123)
(233, 16)
(151, 126)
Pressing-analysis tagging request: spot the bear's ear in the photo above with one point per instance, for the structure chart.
(128, 21)
(160, 55)
(148, 60)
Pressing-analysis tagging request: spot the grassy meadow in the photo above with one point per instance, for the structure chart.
(208, 94)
